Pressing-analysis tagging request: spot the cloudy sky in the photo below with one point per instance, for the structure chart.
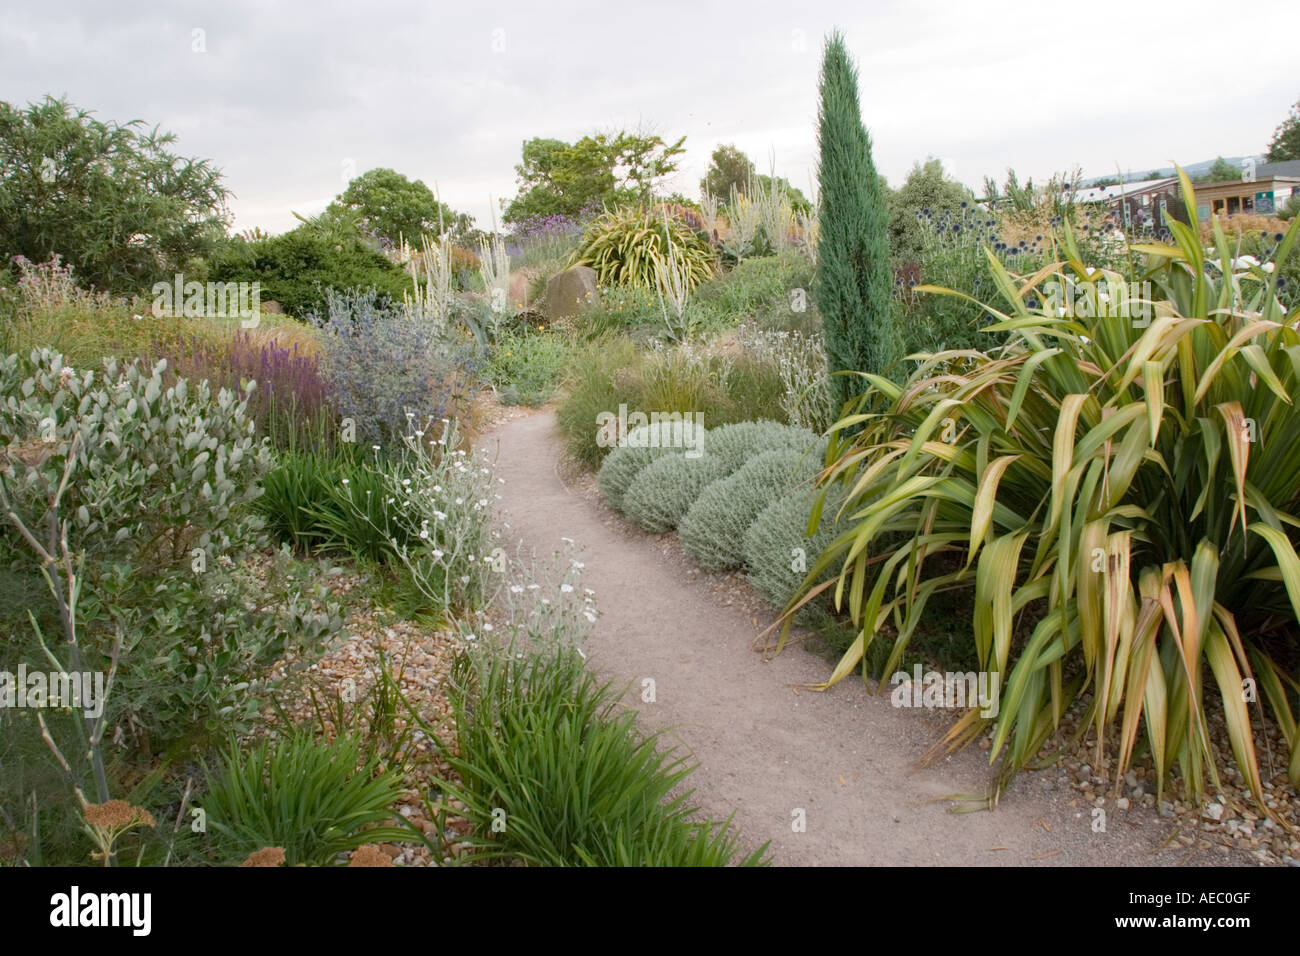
(290, 99)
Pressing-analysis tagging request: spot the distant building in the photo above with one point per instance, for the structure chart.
(1261, 191)
(1147, 202)
(1142, 203)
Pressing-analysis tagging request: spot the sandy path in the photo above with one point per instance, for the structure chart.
(845, 757)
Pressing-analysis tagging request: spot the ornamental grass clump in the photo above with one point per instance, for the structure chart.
(1120, 489)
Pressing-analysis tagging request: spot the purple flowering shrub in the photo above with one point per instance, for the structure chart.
(291, 402)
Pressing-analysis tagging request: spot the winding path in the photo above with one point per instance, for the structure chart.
(845, 757)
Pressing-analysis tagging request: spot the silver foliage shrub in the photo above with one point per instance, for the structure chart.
(663, 492)
(625, 462)
(779, 553)
(713, 531)
(733, 445)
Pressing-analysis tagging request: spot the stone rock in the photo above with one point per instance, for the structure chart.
(568, 291)
(271, 307)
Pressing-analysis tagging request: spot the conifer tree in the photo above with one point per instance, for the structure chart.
(854, 281)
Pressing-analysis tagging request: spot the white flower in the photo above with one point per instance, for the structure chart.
(464, 579)
(533, 587)
(588, 591)
(516, 589)
(440, 516)
(437, 554)
(345, 481)
(578, 564)
(424, 532)
(566, 588)
(591, 618)
(437, 488)
(487, 627)
(460, 501)
(546, 601)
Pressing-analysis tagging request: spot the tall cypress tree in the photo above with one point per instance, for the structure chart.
(854, 283)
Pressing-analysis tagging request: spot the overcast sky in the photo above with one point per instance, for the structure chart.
(290, 99)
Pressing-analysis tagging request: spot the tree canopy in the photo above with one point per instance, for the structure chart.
(110, 198)
(389, 207)
(570, 179)
(1286, 138)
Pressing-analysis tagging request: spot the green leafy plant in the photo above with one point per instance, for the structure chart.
(160, 472)
(554, 774)
(311, 798)
(530, 362)
(1119, 487)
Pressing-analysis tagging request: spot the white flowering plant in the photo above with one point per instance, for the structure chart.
(446, 495)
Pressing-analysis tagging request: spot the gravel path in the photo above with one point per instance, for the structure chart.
(844, 757)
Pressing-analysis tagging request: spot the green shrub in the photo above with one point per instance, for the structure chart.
(314, 800)
(539, 738)
(529, 362)
(713, 530)
(297, 267)
(158, 472)
(662, 492)
(198, 647)
(774, 291)
(779, 552)
(628, 246)
(620, 309)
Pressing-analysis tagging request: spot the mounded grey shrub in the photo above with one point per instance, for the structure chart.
(713, 531)
(779, 553)
(662, 493)
(733, 445)
(642, 447)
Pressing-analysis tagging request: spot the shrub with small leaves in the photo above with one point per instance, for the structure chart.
(664, 491)
(713, 531)
(643, 445)
(778, 551)
(733, 445)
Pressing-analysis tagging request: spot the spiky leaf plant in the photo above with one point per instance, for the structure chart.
(1120, 491)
